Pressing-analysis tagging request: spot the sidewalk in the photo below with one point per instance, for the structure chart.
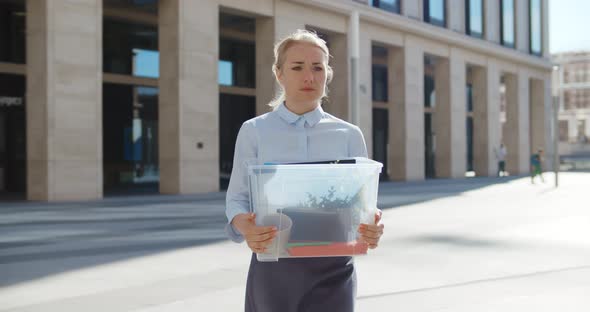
(459, 243)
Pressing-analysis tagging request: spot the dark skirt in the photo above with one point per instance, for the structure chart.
(301, 284)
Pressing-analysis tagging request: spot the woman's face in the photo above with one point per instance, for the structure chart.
(303, 75)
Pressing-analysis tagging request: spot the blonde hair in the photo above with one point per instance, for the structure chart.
(280, 49)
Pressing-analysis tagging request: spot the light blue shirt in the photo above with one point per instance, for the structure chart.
(283, 136)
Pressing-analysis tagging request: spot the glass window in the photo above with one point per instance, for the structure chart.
(13, 137)
(146, 63)
(387, 5)
(469, 140)
(429, 92)
(380, 138)
(130, 49)
(130, 136)
(563, 131)
(143, 6)
(233, 111)
(380, 83)
(226, 73)
(237, 66)
(507, 22)
(429, 146)
(12, 32)
(435, 12)
(237, 23)
(469, 98)
(535, 27)
(567, 74)
(379, 51)
(474, 18)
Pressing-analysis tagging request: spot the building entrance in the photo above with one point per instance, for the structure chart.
(380, 139)
(13, 157)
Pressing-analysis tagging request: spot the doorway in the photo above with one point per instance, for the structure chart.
(13, 139)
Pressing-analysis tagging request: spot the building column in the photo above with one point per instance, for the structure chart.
(265, 79)
(406, 115)
(517, 123)
(449, 122)
(189, 96)
(412, 9)
(270, 30)
(283, 24)
(456, 14)
(486, 118)
(510, 134)
(365, 90)
(537, 117)
(338, 94)
(64, 100)
(353, 41)
(491, 9)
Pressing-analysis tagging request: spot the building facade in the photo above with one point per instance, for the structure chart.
(101, 96)
(572, 85)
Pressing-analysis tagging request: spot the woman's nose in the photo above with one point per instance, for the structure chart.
(308, 76)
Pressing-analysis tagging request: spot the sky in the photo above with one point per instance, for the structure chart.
(569, 25)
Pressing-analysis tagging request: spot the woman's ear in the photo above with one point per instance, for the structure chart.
(330, 75)
(279, 76)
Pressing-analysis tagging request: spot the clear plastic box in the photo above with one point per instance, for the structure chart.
(317, 208)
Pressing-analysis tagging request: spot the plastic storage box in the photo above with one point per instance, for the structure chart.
(317, 208)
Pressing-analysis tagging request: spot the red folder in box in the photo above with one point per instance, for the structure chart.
(332, 249)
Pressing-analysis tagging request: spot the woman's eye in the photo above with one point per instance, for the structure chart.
(318, 69)
(296, 68)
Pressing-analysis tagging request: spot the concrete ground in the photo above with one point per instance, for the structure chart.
(480, 244)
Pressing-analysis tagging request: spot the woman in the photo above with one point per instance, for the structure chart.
(296, 130)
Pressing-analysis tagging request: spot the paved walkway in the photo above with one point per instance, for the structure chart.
(481, 244)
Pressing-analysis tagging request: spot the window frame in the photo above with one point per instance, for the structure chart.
(110, 54)
(383, 70)
(14, 46)
(468, 30)
(428, 18)
(531, 51)
(502, 39)
(376, 4)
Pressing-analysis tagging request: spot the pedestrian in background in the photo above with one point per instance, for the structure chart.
(501, 157)
(295, 284)
(536, 166)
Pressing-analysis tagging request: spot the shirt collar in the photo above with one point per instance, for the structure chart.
(312, 118)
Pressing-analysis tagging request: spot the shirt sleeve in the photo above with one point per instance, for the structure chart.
(237, 199)
(357, 146)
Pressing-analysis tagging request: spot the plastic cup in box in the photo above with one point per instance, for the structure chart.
(278, 245)
(323, 203)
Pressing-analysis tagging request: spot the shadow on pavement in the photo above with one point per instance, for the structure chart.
(396, 194)
(455, 241)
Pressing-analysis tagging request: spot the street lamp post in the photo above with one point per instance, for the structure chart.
(556, 139)
(556, 92)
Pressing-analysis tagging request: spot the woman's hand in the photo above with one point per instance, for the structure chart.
(371, 234)
(257, 237)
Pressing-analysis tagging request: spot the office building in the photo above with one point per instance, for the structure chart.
(101, 96)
